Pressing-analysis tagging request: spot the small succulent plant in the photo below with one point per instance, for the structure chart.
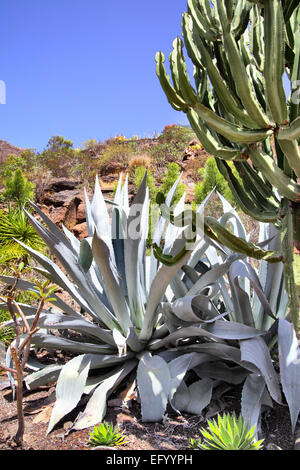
(106, 435)
(227, 433)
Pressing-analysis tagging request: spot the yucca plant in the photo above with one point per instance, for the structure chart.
(238, 108)
(106, 434)
(228, 433)
(143, 316)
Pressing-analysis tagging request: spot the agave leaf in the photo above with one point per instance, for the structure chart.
(181, 397)
(219, 330)
(231, 330)
(136, 223)
(51, 225)
(69, 388)
(154, 384)
(96, 407)
(112, 281)
(59, 321)
(158, 288)
(72, 239)
(53, 342)
(252, 396)
(221, 371)
(231, 214)
(172, 232)
(244, 269)
(194, 308)
(100, 214)
(91, 304)
(289, 367)
(85, 255)
(178, 368)
(255, 351)
(211, 276)
(88, 215)
(46, 375)
(200, 396)
(27, 285)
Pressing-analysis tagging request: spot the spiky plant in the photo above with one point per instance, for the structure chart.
(14, 226)
(241, 51)
(106, 434)
(140, 316)
(228, 433)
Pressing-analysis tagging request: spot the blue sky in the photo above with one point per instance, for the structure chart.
(84, 68)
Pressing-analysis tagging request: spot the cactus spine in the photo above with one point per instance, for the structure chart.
(239, 109)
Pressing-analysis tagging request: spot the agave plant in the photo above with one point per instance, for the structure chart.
(140, 316)
(228, 433)
(252, 295)
(106, 435)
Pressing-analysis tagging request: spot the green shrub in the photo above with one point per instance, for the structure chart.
(171, 144)
(173, 172)
(212, 178)
(58, 155)
(17, 188)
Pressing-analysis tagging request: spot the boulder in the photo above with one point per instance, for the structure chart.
(80, 214)
(61, 184)
(61, 198)
(80, 231)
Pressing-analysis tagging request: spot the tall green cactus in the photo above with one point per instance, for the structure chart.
(239, 109)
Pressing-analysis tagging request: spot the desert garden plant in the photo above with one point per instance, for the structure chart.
(19, 348)
(14, 227)
(17, 188)
(227, 433)
(241, 51)
(106, 434)
(159, 321)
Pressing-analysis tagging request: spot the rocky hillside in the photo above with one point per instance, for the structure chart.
(8, 149)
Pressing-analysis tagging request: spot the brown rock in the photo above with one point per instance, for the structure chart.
(61, 184)
(80, 231)
(63, 197)
(80, 214)
(70, 219)
(58, 214)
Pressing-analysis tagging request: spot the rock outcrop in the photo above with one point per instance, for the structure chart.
(8, 149)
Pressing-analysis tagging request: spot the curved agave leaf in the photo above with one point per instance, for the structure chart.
(219, 330)
(255, 351)
(252, 396)
(27, 285)
(198, 308)
(289, 360)
(154, 384)
(112, 281)
(219, 370)
(200, 394)
(91, 304)
(46, 375)
(53, 342)
(69, 388)
(96, 407)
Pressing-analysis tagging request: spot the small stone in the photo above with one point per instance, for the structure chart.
(272, 446)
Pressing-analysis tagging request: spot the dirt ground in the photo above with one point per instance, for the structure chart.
(172, 435)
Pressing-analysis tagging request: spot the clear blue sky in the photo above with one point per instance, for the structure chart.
(84, 68)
